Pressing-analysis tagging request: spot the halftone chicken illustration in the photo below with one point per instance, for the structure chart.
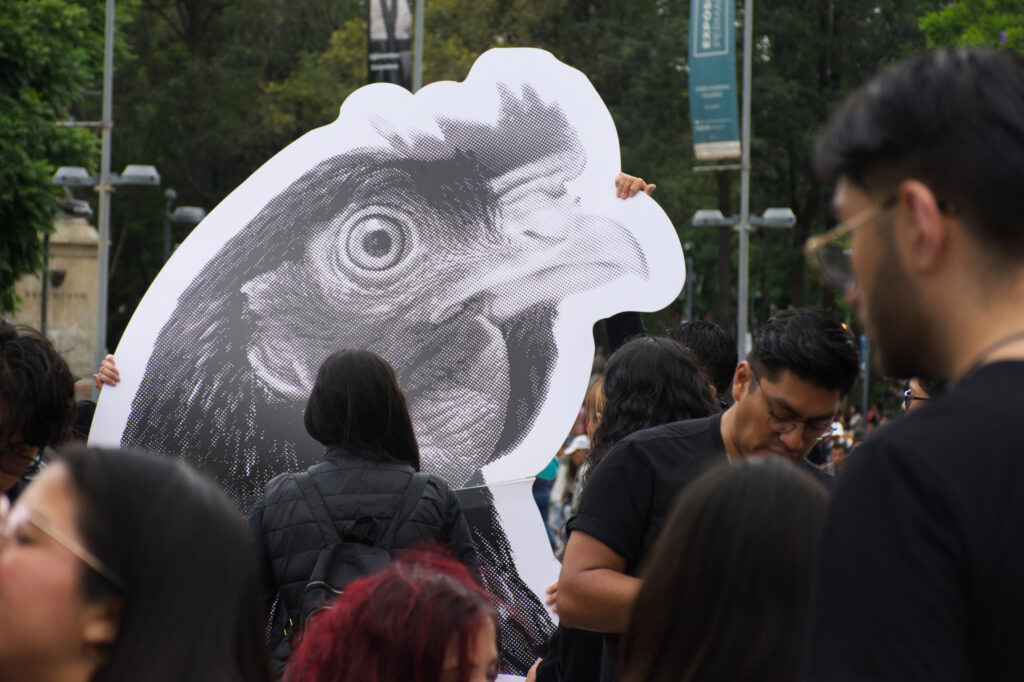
(448, 255)
(468, 234)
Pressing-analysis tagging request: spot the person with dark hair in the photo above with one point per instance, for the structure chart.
(725, 592)
(786, 394)
(649, 381)
(925, 580)
(423, 618)
(358, 412)
(37, 403)
(124, 566)
(920, 391)
(714, 349)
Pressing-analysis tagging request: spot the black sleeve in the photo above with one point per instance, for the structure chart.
(616, 504)
(268, 586)
(888, 602)
(459, 536)
(623, 327)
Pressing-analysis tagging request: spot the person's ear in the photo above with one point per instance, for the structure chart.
(924, 238)
(714, 390)
(741, 380)
(102, 621)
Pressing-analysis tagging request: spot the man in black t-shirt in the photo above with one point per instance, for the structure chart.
(786, 395)
(923, 555)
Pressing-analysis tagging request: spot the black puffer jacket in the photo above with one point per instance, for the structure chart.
(289, 541)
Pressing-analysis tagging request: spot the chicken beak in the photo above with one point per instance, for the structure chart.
(533, 268)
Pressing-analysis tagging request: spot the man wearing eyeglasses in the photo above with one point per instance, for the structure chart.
(37, 403)
(920, 391)
(924, 543)
(787, 393)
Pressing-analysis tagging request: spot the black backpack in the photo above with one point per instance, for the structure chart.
(358, 550)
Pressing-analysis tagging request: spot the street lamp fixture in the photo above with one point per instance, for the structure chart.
(133, 174)
(75, 207)
(771, 218)
(180, 214)
(779, 218)
(775, 218)
(712, 218)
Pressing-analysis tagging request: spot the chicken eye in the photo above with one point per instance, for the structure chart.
(376, 243)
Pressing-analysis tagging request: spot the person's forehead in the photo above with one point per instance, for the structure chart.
(50, 495)
(800, 396)
(847, 196)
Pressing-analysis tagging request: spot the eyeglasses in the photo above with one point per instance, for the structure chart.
(13, 518)
(829, 252)
(13, 463)
(813, 428)
(909, 398)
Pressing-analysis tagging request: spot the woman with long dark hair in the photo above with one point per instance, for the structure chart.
(648, 381)
(423, 618)
(117, 566)
(651, 380)
(359, 493)
(724, 595)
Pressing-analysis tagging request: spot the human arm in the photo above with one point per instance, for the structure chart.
(606, 541)
(594, 592)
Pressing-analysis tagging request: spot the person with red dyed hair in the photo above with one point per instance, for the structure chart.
(423, 618)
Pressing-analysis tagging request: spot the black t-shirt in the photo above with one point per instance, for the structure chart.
(922, 568)
(631, 492)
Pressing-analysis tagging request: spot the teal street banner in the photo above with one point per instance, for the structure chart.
(713, 112)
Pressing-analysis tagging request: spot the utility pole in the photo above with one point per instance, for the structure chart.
(105, 188)
(417, 49)
(743, 312)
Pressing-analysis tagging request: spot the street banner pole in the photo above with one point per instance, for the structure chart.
(389, 28)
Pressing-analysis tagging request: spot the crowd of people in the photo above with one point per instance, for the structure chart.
(701, 543)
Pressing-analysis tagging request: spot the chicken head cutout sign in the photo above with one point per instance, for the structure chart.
(470, 235)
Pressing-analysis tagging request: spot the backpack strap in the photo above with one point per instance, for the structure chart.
(413, 494)
(315, 502)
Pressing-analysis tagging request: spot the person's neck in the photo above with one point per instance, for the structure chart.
(727, 427)
(983, 337)
(69, 671)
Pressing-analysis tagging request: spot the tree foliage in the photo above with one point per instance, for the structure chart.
(50, 51)
(976, 23)
(216, 87)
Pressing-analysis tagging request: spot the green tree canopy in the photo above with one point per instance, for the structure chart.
(976, 23)
(50, 51)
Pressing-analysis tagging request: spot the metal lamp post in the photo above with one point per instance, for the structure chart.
(777, 218)
(76, 176)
